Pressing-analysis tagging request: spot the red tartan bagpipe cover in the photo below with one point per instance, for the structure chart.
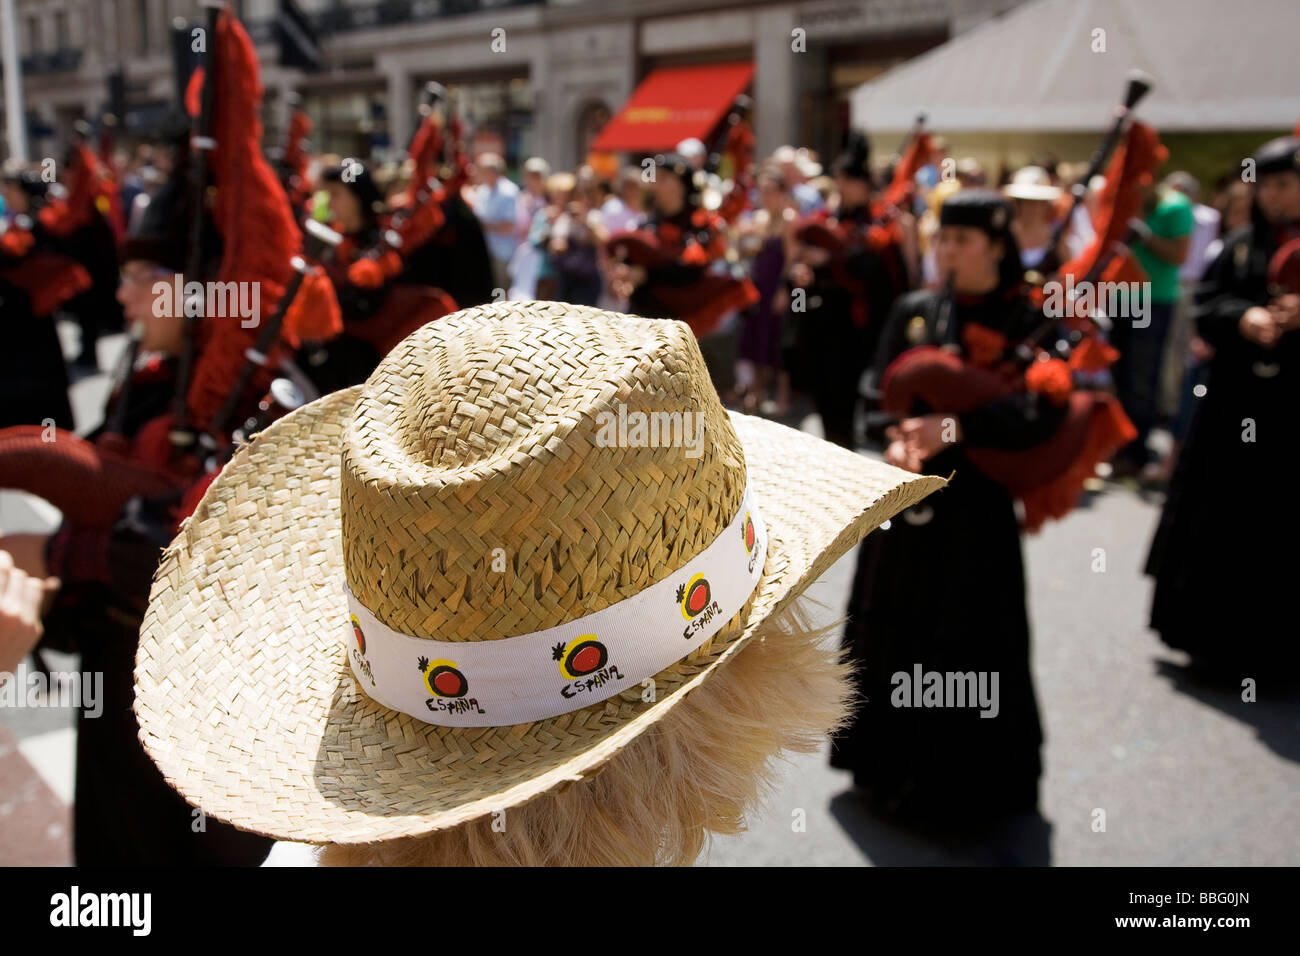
(843, 240)
(1284, 269)
(1046, 478)
(702, 303)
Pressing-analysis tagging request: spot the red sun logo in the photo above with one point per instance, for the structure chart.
(581, 656)
(443, 679)
(695, 596)
(749, 534)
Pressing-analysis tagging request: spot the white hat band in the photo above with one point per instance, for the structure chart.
(535, 676)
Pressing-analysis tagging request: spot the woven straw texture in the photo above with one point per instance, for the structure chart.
(478, 432)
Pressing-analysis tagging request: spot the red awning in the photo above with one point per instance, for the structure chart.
(673, 104)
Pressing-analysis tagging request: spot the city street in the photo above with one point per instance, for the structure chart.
(1186, 774)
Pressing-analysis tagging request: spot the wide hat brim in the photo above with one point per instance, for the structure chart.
(245, 698)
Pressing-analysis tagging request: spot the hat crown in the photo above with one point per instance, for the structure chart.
(517, 466)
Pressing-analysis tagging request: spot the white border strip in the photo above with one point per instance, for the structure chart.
(517, 680)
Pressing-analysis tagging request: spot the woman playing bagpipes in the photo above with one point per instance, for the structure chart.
(943, 589)
(36, 278)
(381, 271)
(668, 268)
(125, 491)
(845, 273)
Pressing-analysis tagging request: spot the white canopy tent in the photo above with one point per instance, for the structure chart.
(1217, 66)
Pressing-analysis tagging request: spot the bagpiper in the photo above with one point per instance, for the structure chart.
(1218, 594)
(675, 266)
(846, 271)
(203, 377)
(938, 605)
(36, 278)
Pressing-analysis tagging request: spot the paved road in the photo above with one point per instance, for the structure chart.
(1186, 774)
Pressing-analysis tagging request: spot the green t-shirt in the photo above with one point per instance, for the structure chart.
(1172, 219)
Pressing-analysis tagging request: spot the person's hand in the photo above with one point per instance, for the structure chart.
(1257, 325)
(1285, 310)
(927, 435)
(1201, 350)
(623, 279)
(898, 455)
(20, 612)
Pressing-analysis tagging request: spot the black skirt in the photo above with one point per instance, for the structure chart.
(942, 590)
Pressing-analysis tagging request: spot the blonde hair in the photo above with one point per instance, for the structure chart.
(700, 770)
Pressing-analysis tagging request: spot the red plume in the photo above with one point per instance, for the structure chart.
(912, 162)
(740, 147)
(294, 155)
(93, 191)
(251, 211)
(1133, 166)
(425, 149)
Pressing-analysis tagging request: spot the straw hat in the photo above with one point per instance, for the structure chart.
(1032, 182)
(470, 538)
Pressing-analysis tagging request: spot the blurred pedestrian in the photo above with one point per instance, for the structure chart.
(576, 236)
(527, 258)
(763, 235)
(1164, 230)
(1219, 595)
(494, 200)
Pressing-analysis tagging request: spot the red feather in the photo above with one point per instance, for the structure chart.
(251, 212)
(912, 162)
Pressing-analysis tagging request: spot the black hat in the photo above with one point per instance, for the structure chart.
(354, 175)
(29, 181)
(161, 231)
(981, 208)
(855, 160)
(990, 211)
(1278, 156)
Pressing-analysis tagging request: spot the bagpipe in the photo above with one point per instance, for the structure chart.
(701, 303)
(32, 263)
(842, 239)
(176, 454)
(984, 367)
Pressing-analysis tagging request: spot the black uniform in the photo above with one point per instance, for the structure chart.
(835, 337)
(944, 588)
(832, 339)
(1220, 592)
(33, 375)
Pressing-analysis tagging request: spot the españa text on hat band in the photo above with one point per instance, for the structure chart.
(530, 677)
